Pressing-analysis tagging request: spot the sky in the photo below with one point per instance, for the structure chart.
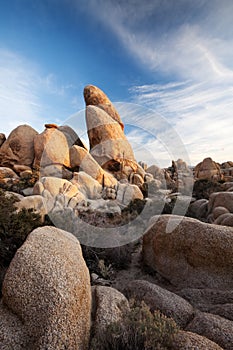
(167, 65)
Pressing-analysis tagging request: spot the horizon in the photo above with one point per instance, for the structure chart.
(174, 59)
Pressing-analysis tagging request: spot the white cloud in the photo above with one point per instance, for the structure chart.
(200, 113)
(190, 45)
(29, 97)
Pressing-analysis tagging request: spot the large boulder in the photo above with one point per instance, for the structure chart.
(7, 173)
(55, 186)
(35, 202)
(213, 327)
(71, 136)
(18, 148)
(189, 253)
(47, 287)
(51, 148)
(96, 97)
(198, 209)
(208, 169)
(82, 160)
(109, 145)
(192, 341)
(220, 208)
(108, 306)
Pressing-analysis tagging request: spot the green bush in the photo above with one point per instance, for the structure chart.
(14, 227)
(139, 329)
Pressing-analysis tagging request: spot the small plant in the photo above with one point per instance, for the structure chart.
(139, 329)
(105, 270)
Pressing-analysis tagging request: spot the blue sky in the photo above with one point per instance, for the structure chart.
(169, 63)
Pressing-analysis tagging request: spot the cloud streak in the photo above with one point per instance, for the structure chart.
(187, 47)
(29, 97)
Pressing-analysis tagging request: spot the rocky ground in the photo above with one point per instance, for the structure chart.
(162, 236)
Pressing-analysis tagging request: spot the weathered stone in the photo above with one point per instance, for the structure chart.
(206, 297)
(221, 199)
(13, 334)
(161, 299)
(56, 170)
(51, 126)
(55, 186)
(7, 173)
(87, 185)
(18, 148)
(108, 306)
(18, 168)
(48, 287)
(51, 147)
(198, 209)
(109, 146)
(96, 97)
(213, 327)
(190, 253)
(224, 219)
(191, 341)
(71, 136)
(80, 158)
(2, 138)
(219, 211)
(35, 202)
(208, 169)
(26, 174)
(127, 193)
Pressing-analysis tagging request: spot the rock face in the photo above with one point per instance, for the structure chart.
(80, 158)
(2, 138)
(220, 208)
(214, 328)
(96, 97)
(109, 146)
(18, 148)
(190, 253)
(71, 136)
(190, 341)
(47, 286)
(208, 169)
(108, 306)
(51, 148)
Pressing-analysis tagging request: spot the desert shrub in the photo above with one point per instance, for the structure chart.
(18, 185)
(139, 329)
(14, 227)
(204, 188)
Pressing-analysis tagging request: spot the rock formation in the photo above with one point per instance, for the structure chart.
(95, 97)
(18, 148)
(47, 291)
(208, 169)
(51, 148)
(190, 253)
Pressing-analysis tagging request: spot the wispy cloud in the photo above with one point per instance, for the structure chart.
(189, 45)
(29, 97)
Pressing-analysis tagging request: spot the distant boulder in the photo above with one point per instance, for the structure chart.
(208, 169)
(18, 148)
